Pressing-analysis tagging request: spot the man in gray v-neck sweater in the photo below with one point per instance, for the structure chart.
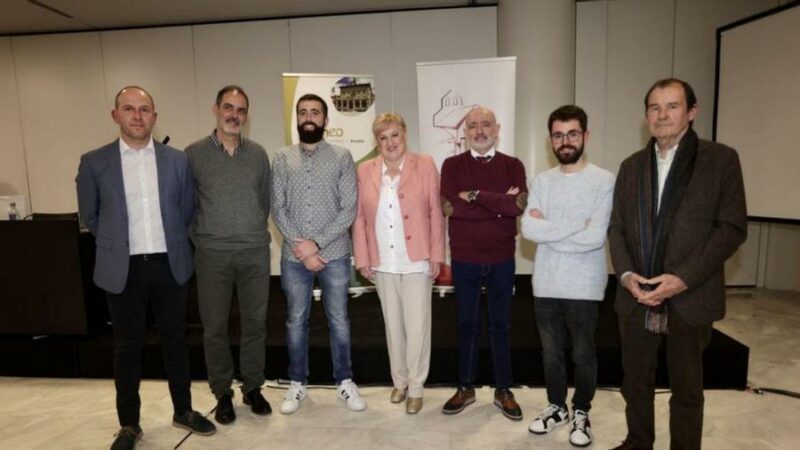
(232, 177)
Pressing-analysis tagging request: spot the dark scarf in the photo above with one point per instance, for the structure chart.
(654, 223)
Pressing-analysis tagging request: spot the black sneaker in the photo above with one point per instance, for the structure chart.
(194, 422)
(258, 404)
(225, 413)
(127, 438)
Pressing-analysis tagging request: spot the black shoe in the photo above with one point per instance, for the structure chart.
(194, 422)
(258, 404)
(225, 413)
(127, 438)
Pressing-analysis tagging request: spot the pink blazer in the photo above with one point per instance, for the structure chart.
(420, 206)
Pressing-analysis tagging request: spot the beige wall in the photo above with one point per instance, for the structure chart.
(252, 55)
(64, 112)
(13, 174)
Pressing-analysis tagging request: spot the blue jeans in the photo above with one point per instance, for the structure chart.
(468, 278)
(560, 321)
(297, 283)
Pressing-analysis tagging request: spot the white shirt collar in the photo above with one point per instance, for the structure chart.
(670, 152)
(385, 168)
(125, 148)
(490, 153)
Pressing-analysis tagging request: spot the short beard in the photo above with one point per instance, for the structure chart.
(310, 136)
(572, 158)
(483, 146)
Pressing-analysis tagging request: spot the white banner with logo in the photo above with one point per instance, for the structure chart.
(448, 90)
(351, 108)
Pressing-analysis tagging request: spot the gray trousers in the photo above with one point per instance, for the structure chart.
(218, 271)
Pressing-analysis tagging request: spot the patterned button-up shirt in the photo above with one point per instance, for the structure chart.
(314, 197)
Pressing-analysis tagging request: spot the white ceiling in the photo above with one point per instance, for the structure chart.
(24, 17)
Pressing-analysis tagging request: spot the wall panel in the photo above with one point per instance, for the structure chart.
(425, 36)
(13, 176)
(160, 60)
(252, 55)
(591, 52)
(64, 112)
(359, 44)
(639, 52)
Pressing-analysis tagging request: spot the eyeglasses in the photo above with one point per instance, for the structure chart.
(571, 135)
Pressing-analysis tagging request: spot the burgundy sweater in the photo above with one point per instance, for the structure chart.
(483, 232)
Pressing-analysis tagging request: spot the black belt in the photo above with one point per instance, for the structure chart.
(149, 256)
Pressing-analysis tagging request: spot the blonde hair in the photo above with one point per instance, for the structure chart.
(385, 120)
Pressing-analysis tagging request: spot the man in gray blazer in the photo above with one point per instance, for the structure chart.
(679, 213)
(137, 198)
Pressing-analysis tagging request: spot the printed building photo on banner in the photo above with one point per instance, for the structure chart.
(351, 111)
(448, 90)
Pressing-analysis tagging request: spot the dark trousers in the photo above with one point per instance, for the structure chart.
(685, 344)
(150, 282)
(561, 321)
(217, 273)
(468, 278)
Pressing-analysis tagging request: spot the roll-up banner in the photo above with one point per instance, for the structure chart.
(351, 108)
(448, 90)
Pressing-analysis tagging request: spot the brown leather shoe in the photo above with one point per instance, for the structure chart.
(504, 399)
(628, 446)
(460, 400)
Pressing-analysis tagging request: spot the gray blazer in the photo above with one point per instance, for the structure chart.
(103, 210)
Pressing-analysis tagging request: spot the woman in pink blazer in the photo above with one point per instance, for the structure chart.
(398, 243)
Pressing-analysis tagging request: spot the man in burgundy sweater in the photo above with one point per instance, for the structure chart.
(483, 192)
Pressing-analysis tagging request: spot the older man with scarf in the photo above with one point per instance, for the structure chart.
(678, 214)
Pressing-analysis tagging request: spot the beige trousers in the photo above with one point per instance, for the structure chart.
(406, 304)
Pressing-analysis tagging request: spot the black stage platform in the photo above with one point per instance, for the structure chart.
(90, 356)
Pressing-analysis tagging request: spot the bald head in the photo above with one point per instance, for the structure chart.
(133, 90)
(480, 111)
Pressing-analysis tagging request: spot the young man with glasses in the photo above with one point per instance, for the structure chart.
(567, 216)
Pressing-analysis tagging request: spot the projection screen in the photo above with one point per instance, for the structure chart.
(758, 108)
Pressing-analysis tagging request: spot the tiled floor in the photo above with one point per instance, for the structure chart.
(71, 413)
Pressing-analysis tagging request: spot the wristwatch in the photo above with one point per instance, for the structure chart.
(472, 195)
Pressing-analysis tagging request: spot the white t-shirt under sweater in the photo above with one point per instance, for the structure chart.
(570, 260)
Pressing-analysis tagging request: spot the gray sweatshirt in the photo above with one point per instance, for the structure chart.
(570, 260)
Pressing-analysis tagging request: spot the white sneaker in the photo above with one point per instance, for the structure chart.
(348, 391)
(581, 435)
(294, 395)
(552, 417)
